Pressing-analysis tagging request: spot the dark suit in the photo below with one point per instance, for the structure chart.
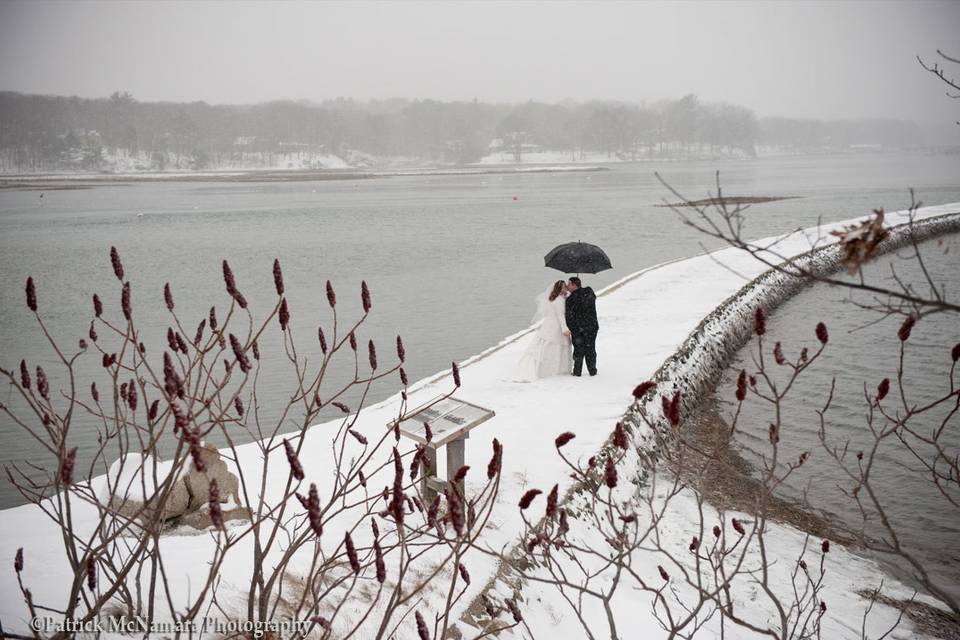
(581, 317)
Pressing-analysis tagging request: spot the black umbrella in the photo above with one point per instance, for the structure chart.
(577, 257)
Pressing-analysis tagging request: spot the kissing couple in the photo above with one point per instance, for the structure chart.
(569, 314)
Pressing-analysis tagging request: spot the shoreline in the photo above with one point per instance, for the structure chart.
(726, 482)
(548, 163)
(88, 180)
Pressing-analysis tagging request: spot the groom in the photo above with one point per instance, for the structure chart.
(582, 325)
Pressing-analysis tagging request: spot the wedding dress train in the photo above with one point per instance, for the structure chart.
(549, 353)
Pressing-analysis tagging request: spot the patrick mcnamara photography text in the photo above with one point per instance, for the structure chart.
(49, 625)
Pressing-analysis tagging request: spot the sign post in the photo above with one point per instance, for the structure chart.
(451, 420)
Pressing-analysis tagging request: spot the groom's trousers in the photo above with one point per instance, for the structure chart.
(585, 348)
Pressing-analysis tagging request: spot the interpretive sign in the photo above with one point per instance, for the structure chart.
(449, 419)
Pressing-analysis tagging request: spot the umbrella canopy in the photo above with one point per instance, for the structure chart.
(577, 257)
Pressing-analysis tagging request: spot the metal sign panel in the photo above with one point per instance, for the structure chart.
(449, 419)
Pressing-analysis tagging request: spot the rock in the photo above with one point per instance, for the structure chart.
(127, 508)
(176, 504)
(188, 499)
(200, 519)
(198, 483)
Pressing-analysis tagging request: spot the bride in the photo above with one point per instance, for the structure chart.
(549, 351)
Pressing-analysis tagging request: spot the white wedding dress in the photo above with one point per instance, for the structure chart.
(549, 353)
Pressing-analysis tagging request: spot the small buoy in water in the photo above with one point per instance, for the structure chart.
(140, 215)
(41, 196)
(515, 198)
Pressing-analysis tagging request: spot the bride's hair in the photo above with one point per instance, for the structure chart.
(557, 288)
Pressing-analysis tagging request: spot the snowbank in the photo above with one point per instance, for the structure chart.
(645, 318)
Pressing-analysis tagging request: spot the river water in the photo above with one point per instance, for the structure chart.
(453, 261)
(863, 350)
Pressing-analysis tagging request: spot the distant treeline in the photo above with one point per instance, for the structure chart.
(52, 132)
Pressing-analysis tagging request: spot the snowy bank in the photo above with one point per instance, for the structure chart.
(645, 318)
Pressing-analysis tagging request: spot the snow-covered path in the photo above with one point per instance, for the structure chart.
(643, 318)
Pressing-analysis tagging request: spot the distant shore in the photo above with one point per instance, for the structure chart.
(86, 180)
(340, 169)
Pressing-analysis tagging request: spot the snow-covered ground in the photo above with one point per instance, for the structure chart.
(598, 157)
(644, 318)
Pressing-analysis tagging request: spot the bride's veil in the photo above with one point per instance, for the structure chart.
(543, 304)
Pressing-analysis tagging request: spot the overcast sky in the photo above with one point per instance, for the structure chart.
(816, 59)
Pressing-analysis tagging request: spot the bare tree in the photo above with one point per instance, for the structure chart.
(722, 218)
(316, 541)
(953, 85)
(856, 246)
